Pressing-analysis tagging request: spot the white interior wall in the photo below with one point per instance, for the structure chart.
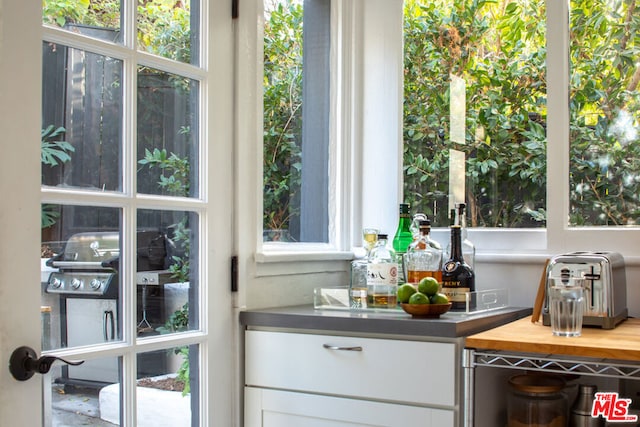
(521, 279)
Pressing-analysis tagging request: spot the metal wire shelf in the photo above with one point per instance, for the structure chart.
(535, 362)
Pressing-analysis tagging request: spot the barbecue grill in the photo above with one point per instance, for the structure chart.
(86, 280)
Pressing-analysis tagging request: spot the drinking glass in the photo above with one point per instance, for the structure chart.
(566, 307)
(358, 284)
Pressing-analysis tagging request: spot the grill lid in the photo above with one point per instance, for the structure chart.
(89, 251)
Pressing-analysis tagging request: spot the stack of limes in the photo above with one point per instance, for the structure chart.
(427, 292)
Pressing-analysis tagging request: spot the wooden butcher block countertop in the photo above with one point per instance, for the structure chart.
(622, 342)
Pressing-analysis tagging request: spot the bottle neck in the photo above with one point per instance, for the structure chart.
(404, 223)
(456, 244)
(420, 240)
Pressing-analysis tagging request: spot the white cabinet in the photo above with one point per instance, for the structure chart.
(308, 380)
(277, 408)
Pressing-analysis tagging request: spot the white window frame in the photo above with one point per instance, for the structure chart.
(367, 130)
(353, 24)
(532, 245)
(338, 247)
(558, 237)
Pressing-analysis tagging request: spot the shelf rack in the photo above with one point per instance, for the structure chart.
(502, 359)
(557, 364)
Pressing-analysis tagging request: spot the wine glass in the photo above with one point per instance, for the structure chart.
(369, 237)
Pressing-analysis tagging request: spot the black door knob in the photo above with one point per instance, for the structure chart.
(24, 362)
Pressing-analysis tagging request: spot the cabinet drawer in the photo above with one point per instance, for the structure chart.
(393, 370)
(277, 408)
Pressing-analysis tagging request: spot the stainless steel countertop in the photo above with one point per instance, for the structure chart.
(396, 322)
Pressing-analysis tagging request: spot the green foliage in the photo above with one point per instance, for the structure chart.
(101, 13)
(497, 47)
(282, 114)
(175, 170)
(180, 267)
(53, 151)
(605, 108)
(49, 215)
(179, 322)
(183, 370)
(164, 28)
(59, 12)
(175, 180)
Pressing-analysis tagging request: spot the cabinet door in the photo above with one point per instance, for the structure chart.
(275, 408)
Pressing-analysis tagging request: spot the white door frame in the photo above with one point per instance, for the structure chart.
(20, 121)
(20, 117)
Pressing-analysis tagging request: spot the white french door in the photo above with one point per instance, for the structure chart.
(115, 244)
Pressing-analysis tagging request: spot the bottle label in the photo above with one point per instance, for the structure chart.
(450, 266)
(456, 294)
(382, 274)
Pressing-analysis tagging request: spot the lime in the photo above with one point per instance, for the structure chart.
(439, 299)
(419, 298)
(405, 291)
(429, 286)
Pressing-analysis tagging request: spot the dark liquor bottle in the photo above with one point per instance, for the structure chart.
(458, 279)
(458, 217)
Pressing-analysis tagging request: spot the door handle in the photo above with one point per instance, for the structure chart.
(24, 362)
(108, 325)
(341, 348)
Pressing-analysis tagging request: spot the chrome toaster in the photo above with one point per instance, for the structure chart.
(605, 285)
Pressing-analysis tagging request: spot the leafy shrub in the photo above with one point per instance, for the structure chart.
(282, 114)
(498, 48)
(501, 61)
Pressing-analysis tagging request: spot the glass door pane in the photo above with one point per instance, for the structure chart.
(167, 283)
(82, 118)
(101, 21)
(169, 29)
(167, 131)
(81, 304)
(167, 399)
(121, 211)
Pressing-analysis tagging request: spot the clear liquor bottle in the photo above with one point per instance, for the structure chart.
(468, 248)
(458, 278)
(424, 256)
(382, 275)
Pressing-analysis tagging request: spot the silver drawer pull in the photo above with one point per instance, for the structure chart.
(337, 347)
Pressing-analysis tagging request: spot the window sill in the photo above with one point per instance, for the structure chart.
(301, 262)
(293, 255)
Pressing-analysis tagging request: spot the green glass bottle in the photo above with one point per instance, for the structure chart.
(403, 238)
